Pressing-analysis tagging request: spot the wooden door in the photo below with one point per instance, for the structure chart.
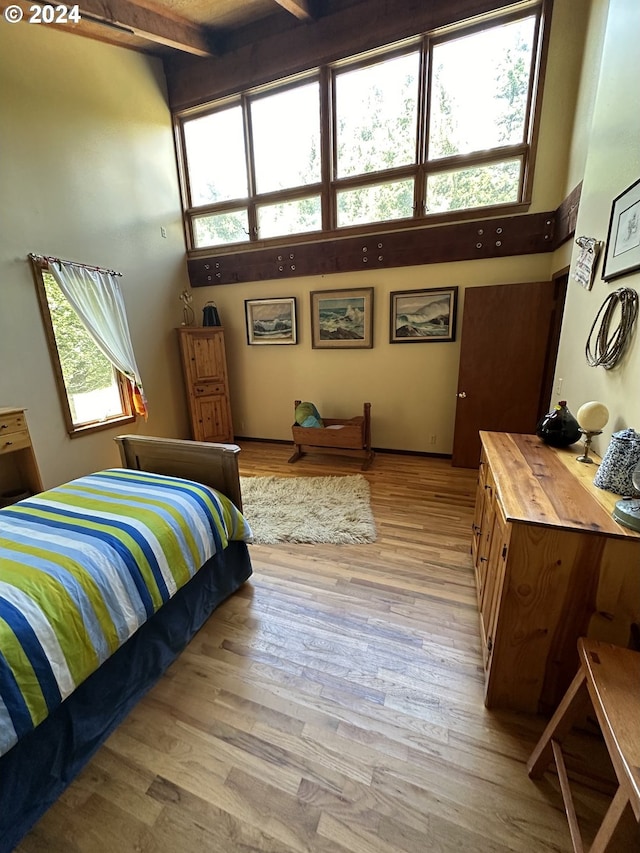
(508, 351)
(212, 421)
(208, 360)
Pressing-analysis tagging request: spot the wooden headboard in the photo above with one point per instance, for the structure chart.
(214, 465)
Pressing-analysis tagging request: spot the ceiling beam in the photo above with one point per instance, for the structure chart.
(280, 53)
(147, 24)
(299, 8)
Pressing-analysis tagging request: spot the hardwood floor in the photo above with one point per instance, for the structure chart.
(333, 704)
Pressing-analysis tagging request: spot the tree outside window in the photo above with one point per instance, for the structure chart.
(441, 125)
(94, 393)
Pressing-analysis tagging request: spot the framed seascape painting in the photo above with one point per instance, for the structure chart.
(622, 253)
(271, 321)
(342, 319)
(423, 316)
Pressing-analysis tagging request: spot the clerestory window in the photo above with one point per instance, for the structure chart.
(428, 130)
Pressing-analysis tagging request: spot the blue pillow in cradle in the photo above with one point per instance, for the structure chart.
(308, 416)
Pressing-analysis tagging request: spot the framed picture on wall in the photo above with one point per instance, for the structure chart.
(622, 253)
(423, 316)
(342, 319)
(271, 321)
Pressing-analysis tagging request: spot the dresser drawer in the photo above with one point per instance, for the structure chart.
(14, 441)
(205, 388)
(14, 422)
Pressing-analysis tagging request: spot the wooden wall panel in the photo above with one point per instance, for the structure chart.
(490, 238)
(566, 217)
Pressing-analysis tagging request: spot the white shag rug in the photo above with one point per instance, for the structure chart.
(335, 510)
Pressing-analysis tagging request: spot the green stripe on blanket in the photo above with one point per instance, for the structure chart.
(24, 673)
(128, 541)
(138, 511)
(63, 615)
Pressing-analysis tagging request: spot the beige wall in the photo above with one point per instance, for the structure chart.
(87, 173)
(611, 164)
(411, 387)
(562, 85)
(592, 24)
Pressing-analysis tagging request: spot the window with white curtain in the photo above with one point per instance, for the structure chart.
(93, 392)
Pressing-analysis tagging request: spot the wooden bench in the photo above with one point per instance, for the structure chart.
(609, 676)
(350, 436)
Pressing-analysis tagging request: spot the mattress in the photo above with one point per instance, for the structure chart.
(83, 566)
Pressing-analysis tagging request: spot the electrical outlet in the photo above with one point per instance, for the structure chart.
(559, 386)
(433, 439)
(163, 231)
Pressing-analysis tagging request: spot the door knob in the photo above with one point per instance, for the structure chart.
(462, 395)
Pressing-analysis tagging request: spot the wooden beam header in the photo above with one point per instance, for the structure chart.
(526, 234)
(299, 8)
(143, 22)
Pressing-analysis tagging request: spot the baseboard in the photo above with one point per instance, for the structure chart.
(389, 450)
(262, 440)
(412, 452)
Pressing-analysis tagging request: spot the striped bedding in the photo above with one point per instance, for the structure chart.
(82, 566)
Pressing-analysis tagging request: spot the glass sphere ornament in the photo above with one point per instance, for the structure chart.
(558, 427)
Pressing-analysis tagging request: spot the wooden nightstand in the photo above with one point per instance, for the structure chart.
(19, 474)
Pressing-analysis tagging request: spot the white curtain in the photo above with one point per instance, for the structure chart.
(96, 297)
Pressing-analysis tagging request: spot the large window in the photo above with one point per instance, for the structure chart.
(94, 394)
(440, 125)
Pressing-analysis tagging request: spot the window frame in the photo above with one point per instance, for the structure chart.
(39, 267)
(419, 171)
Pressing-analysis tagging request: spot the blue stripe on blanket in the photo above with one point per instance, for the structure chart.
(14, 700)
(73, 588)
(193, 490)
(113, 541)
(116, 502)
(77, 546)
(33, 650)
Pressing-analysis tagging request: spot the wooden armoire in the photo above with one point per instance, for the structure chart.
(204, 365)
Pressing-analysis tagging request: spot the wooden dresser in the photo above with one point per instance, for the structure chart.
(551, 565)
(204, 365)
(19, 474)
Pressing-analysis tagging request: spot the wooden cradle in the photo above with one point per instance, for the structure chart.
(347, 436)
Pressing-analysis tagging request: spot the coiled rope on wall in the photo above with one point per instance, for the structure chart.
(609, 344)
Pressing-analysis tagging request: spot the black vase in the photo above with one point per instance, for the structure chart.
(210, 316)
(558, 427)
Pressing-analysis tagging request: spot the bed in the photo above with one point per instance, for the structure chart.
(103, 582)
